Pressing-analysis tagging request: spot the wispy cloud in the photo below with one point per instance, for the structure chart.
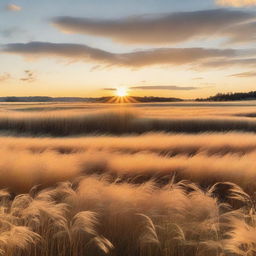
(198, 78)
(242, 33)
(158, 56)
(241, 62)
(13, 8)
(245, 74)
(159, 29)
(4, 77)
(29, 76)
(165, 87)
(109, 89)
(236, 3)
(158, 87)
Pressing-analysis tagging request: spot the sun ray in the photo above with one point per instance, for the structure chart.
(121, 96)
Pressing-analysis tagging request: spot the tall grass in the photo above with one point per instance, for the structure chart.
(97, 217)
(184, 188)
(163, 144)
(203, 159)
(120, 122)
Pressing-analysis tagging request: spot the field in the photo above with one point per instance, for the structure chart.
(170, 179)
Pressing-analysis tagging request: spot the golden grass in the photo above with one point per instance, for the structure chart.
(142, 191)
(119, 123)
(96, 217)
(204, 159)
(80, 119)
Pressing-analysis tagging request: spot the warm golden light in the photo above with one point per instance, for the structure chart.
(121, 92)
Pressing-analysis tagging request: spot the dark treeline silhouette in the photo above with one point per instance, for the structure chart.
(81, 99)
(231, 96)
(156, 99)
(218, 97)
(47, 99)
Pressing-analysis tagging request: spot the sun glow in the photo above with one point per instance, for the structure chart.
(122, 96)
(121, 92)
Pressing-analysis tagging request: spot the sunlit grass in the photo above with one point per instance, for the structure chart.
(142, 180)
(99, 217)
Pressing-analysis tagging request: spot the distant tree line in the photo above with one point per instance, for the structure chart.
(156, 99)
(231, 96)
(80, 99)
(218, 97)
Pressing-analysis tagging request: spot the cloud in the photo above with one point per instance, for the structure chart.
(158, 87)
(157, 29)
(241, 33)
(137, 59)
(165, 87)
(198, 78)
(242, 62)
(109, 89)
(236, 3)
(245, 74)
(13, 8)
(29, 76)
(4, 77)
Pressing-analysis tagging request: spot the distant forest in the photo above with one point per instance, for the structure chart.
(231, 96)
(218, 97)
(80, 99)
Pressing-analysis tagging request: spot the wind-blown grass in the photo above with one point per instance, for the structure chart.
(159, 183)
(204, 159)
(98, 217)
(164, 143)
(120, 123)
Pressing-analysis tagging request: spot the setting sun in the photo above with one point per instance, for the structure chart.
(121, 92)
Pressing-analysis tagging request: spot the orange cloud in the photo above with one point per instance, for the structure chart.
(165, 87)
(4, 77)
(13, 8)
(236, 3)
(245, 74)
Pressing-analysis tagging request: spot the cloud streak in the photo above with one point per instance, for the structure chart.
(236, 3)
(13, 8)
(29, 76)
(4, 77)
(136, 59)
(245, 74)
(158, 87)
(159, 29)
(165, 87)
(109, 89)
(242, 33)
(241, 62)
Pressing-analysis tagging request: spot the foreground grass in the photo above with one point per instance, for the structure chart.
(155, 194)
(93, 216)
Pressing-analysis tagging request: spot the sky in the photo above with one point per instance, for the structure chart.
(88, 48)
